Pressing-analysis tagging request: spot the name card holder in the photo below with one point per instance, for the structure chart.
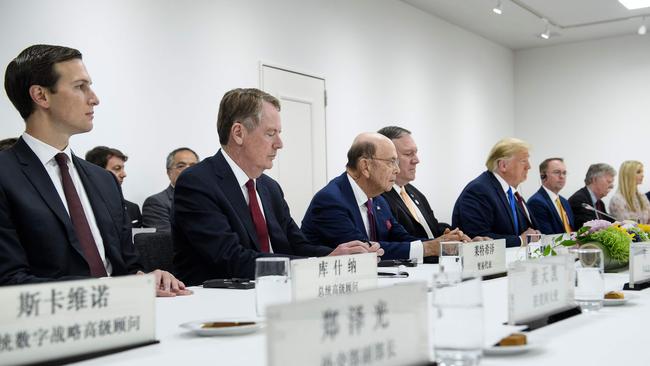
(639, 267)
(337, 275)
(383, 326)
(540, 291)
(484, 258)
(69, 321)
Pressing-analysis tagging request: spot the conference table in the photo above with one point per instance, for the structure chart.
(615, 335)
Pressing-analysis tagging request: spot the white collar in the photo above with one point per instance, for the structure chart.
(359, 194)
(551, 194)
(504, 185)
(241, 177)
(44, 152)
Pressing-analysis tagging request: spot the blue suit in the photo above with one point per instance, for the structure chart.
(483, 209)
(213, 231)
(333, 217)
(545, 213)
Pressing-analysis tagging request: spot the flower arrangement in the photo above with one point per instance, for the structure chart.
(615, 238)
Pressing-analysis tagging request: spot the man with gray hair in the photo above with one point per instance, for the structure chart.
(157, 209)
(490, 205)
(587, 201)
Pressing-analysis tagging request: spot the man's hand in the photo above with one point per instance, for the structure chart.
(481, 238)
(167, 285)
(357, 247)
(432, 247)
(528, 231)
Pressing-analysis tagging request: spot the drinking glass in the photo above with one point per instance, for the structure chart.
(272, 282)
(457, 321)
(534, 246)
(450, 261)
(590, 283)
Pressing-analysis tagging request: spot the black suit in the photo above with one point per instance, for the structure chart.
(37, 239)
(581, 214)
(404, 217)
(135, 217)
(214, 235)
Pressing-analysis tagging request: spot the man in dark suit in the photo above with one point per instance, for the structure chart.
(551, 211)
(114, 160)
(350, 206)
(157, 209)
(408, 205)
(490, 204)
(60, 217)
(599, 180)
(226, 213)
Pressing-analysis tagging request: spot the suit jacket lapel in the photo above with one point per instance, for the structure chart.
(551, 205)
(504, 200)
(351, 202)
(233, 193)
(416, 200)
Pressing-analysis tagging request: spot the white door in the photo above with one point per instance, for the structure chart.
(301, 165)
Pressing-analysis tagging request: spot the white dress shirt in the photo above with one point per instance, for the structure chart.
(416, 250)
(242, 178)
(45, 154)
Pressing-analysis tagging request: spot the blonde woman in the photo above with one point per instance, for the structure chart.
(628, 203)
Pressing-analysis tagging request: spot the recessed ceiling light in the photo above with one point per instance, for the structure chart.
(635, 4)
(497, 8)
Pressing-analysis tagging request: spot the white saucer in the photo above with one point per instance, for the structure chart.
(508, 350)
(236, 327)
(617, 302)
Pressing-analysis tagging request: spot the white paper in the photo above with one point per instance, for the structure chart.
(484, 258)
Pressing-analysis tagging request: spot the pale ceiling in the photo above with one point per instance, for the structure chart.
(518, 29)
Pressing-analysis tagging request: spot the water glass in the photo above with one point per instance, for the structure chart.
(451, 261)
(457, 321)
(272, 282)
(534, 246)
(590, 283)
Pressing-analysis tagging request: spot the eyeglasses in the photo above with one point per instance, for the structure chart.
(392, 162)
(558, 172)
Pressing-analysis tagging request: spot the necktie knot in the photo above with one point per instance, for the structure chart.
(369, 204)
(61, 160)
(250, 185)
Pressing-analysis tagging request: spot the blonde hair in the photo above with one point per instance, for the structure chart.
(627, 186)
(504, 150)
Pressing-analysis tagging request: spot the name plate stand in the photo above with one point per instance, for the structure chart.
(484, 258)
(374, 327)
(540, 291)
(338, 275)
(639, 266)
(62, 322)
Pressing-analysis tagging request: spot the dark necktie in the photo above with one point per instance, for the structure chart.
(600, 206)
(79, 221)
(522, 207)
(513, 210)
(258, 218)
(371, 221)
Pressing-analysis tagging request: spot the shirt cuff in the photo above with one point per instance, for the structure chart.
(417, 251)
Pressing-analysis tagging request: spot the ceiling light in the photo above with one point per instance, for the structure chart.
(497, 8)
(635, 4)
(642, 30)
(547, 31)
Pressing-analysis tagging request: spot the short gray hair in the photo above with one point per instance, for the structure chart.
(170, 156)
(597, 170)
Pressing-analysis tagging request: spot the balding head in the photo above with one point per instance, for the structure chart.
(372, 162)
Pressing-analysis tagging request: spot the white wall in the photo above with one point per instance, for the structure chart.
(160, 68)
(588, 102)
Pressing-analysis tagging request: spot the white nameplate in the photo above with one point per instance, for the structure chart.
(539, 287)
(384, 326)
(484, 258)
(327, 276)
(639, 262)
(49, 321)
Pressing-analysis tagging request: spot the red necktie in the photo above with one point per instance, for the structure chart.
(371, 221)
(79, 221)
(258, 218)
(600, 206)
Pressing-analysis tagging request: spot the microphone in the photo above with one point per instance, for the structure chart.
(590, 208)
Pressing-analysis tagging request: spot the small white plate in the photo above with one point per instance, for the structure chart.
(508, 350)
(617, 302)
(225, 327)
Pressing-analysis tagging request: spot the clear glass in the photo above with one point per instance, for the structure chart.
(272, 282)
(450, 260)
(590, 283)
(534, 246)
(457, 321)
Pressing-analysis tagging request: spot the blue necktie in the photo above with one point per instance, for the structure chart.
(513, 209)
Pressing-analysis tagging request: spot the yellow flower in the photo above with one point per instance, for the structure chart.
(644, 227)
